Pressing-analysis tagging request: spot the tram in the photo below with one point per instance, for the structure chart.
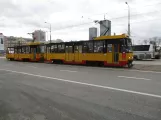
(104, 50)
(33, 51)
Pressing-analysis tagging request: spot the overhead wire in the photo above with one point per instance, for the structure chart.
(122, 17)
(110, 19)
(122, 9)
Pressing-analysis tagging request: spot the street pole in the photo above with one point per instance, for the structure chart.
(129, 32)
(50, 30)
(50, 33)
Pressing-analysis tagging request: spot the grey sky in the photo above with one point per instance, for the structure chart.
(18, 17)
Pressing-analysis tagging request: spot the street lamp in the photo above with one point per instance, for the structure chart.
(50, 30)
(129, 33)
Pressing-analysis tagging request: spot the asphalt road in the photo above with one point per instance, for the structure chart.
(38, 91)
(148, 62)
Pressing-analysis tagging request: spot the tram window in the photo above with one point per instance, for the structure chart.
(42, 49)
(109, 48)
(54, 49)
(85, 48)
(27, 50)
(80, 49)
(23, 49)
(15, 50)
(10, 50)
(19, 50)
(98, 46)
(66, 49)
(38, 49)
(70, 49)
(76, 49)
(88, 47)
(48, 49)
(61, 48)
(123, 48)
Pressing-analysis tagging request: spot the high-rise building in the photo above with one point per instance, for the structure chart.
(105, 27)
(1, 43)
(92, 33)
(39, 36)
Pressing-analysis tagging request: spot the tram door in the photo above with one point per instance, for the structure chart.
(115, 53)
(69, 55)
(33, 52)
(77, 52)
(47, 52)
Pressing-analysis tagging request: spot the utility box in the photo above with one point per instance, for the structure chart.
(92, 33)
(105, 28)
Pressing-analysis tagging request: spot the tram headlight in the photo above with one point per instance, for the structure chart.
(131, 57)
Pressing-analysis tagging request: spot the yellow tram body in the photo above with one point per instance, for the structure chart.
(29, 52)
(75, 53)
(10, 53)
(104, 50)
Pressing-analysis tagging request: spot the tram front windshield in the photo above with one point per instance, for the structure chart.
(126, 45)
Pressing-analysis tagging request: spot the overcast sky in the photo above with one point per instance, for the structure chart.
(19, 17)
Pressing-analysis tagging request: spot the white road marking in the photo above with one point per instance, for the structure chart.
(132, 70)
(118, 69)
(144, 71)
(134, 78)
(32, 66)
(68, 71)
(87, 84)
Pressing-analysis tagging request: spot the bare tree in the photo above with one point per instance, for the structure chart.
(145, 42)
(155, 40)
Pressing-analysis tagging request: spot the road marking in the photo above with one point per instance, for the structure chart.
(118, 69)
(32, 66)
(134, 78)
(87, 84)
(68, 71)
(144, 71)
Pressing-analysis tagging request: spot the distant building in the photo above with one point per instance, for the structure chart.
(1, 43)
(10, 41)
(92, 33)
(105, 27)
(39, 36)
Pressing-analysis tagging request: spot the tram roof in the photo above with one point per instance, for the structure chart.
(111, 37)
(34, 43)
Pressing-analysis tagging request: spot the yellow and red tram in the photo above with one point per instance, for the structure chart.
(29, 52)
(104, 50)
